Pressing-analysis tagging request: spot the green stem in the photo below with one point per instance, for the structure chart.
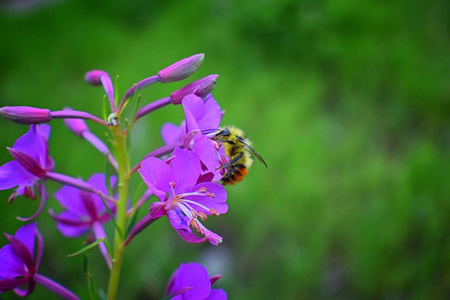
(121, 217)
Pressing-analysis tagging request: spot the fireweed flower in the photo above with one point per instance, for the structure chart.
(199, 115)
(30, 166)
(191, 282)
(19, 264)
(183, 199)
(84, 212)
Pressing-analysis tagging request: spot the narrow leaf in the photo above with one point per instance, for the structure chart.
(84, 249)
(90, 280)
(108, 173)
(111, 215)
(105, 105)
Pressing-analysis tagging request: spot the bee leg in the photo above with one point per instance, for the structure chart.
(231, 162)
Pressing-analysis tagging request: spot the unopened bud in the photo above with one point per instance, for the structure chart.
(25, 114)
(94, 77)
(181, 69)
(77, 126)
(200, 88)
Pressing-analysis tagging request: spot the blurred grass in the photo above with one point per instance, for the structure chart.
(347, 101)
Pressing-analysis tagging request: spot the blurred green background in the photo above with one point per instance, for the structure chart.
(347, 101)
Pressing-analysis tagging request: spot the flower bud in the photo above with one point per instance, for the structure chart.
(25, 114)
(200, 88)
(94, 77)
(77, 126)
(181, 69)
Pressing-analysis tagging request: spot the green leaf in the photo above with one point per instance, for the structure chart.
(136, 108)
(90, 246)
(105, 108)
(139, 192)
(128, 139)
(111, 215)
(108, 173)
(90, 280)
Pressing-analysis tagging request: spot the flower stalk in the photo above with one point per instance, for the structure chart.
(121, 219)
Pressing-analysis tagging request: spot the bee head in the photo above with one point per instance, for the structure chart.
(221, 134)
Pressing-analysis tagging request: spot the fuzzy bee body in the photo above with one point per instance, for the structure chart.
(238, 148)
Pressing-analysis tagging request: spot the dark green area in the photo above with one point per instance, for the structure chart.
(347, 101)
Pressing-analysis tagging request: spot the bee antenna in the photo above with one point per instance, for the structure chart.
(208, 131)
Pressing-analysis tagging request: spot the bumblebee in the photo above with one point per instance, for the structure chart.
(239, 150)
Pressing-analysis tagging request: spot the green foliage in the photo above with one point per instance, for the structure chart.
(347, 101)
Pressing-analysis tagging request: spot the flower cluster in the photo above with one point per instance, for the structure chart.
(182, 176)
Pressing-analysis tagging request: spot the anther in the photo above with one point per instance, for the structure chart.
(202, 216)
(214, 212)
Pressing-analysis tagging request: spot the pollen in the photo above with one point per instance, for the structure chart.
(202, 216)
(214, 212)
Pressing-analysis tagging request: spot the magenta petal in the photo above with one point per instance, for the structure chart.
(172, 133)
(33, 144)
(44, 130)
(191, 237)
(186, 167)
(207, 153)
(70, 225)
(13, 174)
(191, 122)
(217, 202)
(217, 294)
(212, 119)
(26, 235)
(157, 175)
(178, 220)
(70, 198)
(194, 279)
(98, 181)
(195, 105)
(157, 209)
(11, 264)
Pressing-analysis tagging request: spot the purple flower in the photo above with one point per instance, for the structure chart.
(191, 282)
(17, 261)
(31, 164)
(84, 212)
(184, 199)
(199, 115)
(19, 264)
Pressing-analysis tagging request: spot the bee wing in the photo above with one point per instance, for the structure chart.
(252, 150)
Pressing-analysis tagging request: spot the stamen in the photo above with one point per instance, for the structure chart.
(12, 197)
(196, 226)
(203, 217)
(214, 212)
(196, 203)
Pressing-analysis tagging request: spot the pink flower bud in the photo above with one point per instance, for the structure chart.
(25, 114)
(93, 77)
(77, 126)
(200, 88)
(181, 69)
